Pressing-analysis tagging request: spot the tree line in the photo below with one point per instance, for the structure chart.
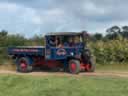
(7, 40)
(110, 47)
(112, 33)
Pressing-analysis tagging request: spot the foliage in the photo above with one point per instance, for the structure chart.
(111, 51)
(111, 48)
(97, 37)
(36, 40)
(15, 40)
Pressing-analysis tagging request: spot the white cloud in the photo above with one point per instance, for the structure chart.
(92, 9)
(30, 16)
(52, 15)
(19, 19)
(54, 12)
(8, 7)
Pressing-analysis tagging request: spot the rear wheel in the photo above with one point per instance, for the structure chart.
(88, 60)
(90, 67)
(23, 65)
(74, 66)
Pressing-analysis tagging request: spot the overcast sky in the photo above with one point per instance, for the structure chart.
(29, 17)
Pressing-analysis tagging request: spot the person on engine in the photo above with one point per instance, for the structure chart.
(70, 42)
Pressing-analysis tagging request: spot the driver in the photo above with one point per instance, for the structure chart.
(55, 42)
(52, 42)
(77, 42)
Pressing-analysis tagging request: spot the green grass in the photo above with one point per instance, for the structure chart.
(112, 67)
(12, 85)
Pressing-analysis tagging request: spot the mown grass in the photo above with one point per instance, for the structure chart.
(12, 85)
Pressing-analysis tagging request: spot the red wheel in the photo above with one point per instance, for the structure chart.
(24, 65)
(74, 66)
(90, 67)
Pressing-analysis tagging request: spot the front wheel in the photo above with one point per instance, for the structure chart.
(74, 66)
(23, 65)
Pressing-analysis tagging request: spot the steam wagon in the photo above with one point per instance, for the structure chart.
(64, 50)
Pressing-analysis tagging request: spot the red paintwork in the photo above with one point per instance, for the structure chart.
(50, 63)
(53, 63)
(73, 67)
(85, 66)
(40, 61)
(82, 66)
(88, 66)
(23, 65)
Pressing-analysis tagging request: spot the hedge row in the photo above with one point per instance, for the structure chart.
(111, 51)
(3, 55)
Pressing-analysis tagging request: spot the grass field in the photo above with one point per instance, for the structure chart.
(112, 67)
(13, 85)
(27, 85)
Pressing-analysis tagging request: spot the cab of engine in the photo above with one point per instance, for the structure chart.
(64, 45)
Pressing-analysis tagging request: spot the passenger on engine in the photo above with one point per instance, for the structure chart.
(58, 43)
(70, 42)
(77, 42)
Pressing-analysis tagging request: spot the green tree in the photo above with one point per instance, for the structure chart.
(37, 40)
(3, 38)
(98, 36)
(113, 32)
(15, 40)
(125, 31)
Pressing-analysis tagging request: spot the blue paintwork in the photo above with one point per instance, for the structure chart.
(50, 53)
(69, 52)
(38, 51)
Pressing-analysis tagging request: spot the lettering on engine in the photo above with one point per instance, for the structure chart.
(25, 50)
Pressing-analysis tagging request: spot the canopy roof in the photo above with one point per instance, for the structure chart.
(63, 33)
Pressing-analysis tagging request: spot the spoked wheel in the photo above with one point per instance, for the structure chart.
(23, 65)
(90, 67)
(88, 60)
(74, 66)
